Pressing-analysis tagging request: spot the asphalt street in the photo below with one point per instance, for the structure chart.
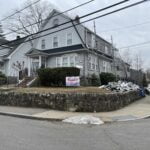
(24, 134)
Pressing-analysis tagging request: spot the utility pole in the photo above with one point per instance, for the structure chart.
(113, 54)
(95, 44)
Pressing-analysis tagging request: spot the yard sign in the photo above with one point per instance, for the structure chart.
(73, 81)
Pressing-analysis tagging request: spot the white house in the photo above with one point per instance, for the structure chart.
(73, 45)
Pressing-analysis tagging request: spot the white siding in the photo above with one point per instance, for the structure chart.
(61, 34)
(18, 55)
(4, 51)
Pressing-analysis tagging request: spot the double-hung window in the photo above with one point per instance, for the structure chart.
(72, 61)
(106, 49)
(65, 61)
(55, 42)
(69, 39)
(58, 62)
(43, 44)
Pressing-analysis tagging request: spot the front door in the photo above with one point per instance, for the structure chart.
(35, 66)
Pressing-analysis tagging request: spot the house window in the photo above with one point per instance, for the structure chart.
(93, 63)
(89, 64)
(55, 42)
(106, 50)
(72, 61)
(104, 66)
(69, 39)
(118, 68)
(58, 62)
(1, 65)
(43, 44)
(65, 61)
(55, 22)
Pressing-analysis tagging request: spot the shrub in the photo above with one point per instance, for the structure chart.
(3, 78)
(106, 78)
(95, 81)
(56, 76)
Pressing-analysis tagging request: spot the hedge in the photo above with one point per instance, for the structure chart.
(56, 76)
(107, 77)
(3, 79)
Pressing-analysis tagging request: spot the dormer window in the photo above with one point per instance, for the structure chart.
(55, 22)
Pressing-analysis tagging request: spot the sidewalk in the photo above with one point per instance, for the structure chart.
(139, 109)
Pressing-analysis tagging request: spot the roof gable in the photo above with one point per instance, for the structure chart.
(52, 14)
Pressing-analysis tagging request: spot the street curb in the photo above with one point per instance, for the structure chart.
(25, 116)
(126, 120)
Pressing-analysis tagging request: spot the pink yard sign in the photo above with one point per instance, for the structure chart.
(73, 81)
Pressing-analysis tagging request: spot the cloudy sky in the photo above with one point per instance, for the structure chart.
(128, 27)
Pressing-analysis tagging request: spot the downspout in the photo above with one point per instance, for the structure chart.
(84, 45)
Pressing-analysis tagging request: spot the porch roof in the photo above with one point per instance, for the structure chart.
(55, 50)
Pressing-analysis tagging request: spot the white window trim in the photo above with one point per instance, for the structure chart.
(53, 41)
(67, 38)
(60, 61)
(43, 44)
(68, 60)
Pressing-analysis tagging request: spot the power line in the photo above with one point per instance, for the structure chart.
(73, 9)
(52, 16)
(18, 11)
(131, 5)
(73, 20)
(126, 27)
(135, 45)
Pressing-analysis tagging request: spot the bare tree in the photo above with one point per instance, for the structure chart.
(138, 62)
(127, 57)
(1, 32)
(30, 20)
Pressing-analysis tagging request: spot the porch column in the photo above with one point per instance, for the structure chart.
(29, 66)
(40, 61)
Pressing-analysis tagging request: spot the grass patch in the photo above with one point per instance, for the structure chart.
(61, 90)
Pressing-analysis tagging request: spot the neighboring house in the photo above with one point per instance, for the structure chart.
(76, 46)
(122, 69)
(137, 76)
(7, 48)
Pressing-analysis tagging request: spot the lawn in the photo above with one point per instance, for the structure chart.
(61, 90)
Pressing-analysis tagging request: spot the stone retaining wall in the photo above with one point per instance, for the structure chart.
(70, 102)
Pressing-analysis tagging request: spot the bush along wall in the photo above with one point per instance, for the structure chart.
(56, 76)
(107, 77)
(3, 79)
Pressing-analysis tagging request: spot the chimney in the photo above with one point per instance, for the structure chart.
(77, 19)
(18, 37)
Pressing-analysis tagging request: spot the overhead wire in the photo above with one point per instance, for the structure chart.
(131, 5)
(110, 6)
(18, 11)
(8, 33)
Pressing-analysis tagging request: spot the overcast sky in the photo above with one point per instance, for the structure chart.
(122, 26)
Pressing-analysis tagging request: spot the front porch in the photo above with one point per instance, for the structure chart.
(36, 60)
